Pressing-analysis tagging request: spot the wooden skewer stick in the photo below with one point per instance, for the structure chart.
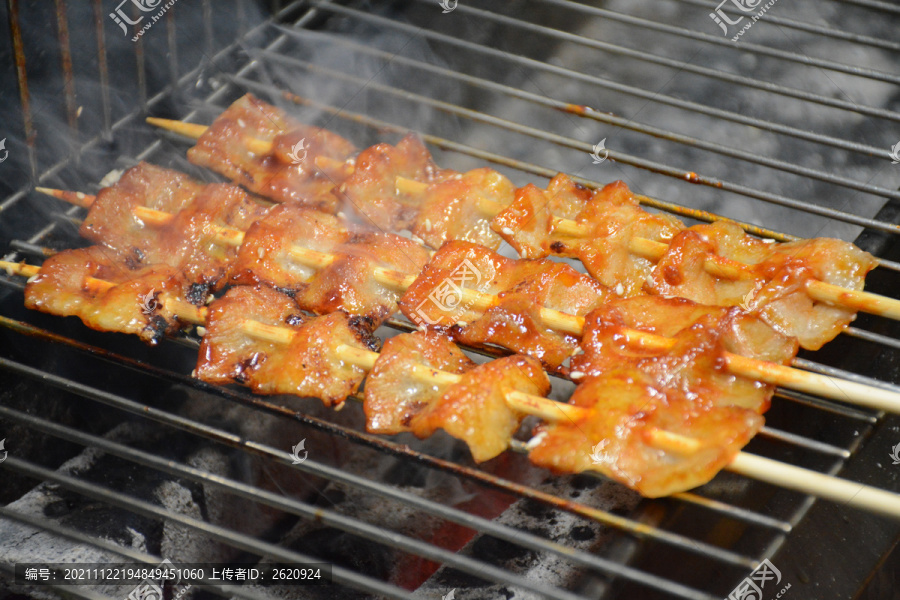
(820, 291)
(749, 465)
(767, 372)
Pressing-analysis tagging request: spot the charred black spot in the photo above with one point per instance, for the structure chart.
(558, 246)
(582, 187)
(359, 238)
(362, 328)
(197, 293)
(156, 329)
(244, 367)
(294, 320)
(133, 259)
(413, 409)
(286, 291)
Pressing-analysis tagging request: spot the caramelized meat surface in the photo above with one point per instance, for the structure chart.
(634, 391)
(609, 220)
(393, 395)
(773, 286)
(188, 241)
(71, 283)
(513, 320)
(528, 222)
(371, 191)
(287, 172)
(348, 282)
(461, 209)
(308, 365)
(615, 437)
(474, 409)
(111, 220)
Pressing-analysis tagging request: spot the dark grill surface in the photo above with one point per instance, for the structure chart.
(116, 454)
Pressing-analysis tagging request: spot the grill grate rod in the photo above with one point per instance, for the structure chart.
(485, 526)
(698, 36)
(295, 507)
(380, 444)
(681, 66)
(208, 530)
(648, 165)
(587, 113)
(777, 128)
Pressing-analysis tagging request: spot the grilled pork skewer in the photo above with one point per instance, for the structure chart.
(491, 314)
(647, 251)
(667, 442)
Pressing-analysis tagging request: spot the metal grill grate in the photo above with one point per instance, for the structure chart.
(530, 88)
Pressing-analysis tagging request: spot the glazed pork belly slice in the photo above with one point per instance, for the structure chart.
(111, 219)
(610, 217)
(287, 172)
(348, 282)
(631, 391)
(773, 286)
(614, 436)
(522, 287)
(309, 365)
(134, 300)
(474, 409)
(372, 192)
(189, 241)
(461, 208)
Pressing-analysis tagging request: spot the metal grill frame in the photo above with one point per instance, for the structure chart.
(803, 522)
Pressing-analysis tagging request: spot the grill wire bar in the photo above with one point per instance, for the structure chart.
(275, 54)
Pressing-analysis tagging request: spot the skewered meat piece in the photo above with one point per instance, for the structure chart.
(611, 216)
(308, 366)
(522, 287)
(131, 305)
(394, 396)
(111, 219)
(287, 173)
(372, 192)
(774, 287)
(527, 223)
(695, 365)
(188, 242)
(452, 209)
(473, 410)
(632, 391)
(345, 284)
(613, 437)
